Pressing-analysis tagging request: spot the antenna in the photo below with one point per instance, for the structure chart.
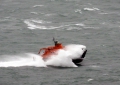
(53, 39)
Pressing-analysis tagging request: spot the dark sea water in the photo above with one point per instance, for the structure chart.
(28, 25)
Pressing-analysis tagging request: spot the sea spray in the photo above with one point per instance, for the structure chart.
(26, 59)
(62, 59)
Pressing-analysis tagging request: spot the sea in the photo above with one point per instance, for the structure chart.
(28, 25)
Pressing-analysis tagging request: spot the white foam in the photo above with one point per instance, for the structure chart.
(38, 6)
(28, 59)
(78, 11)
(48, 25)
(90, 80)
(61, 59)
(37, 24)
(91, 9)
(33, 12)
(32, 25)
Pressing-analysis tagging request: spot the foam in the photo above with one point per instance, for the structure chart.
(48, 25)
(91, 9)
(27, 59)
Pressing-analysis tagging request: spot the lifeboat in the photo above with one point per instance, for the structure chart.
(52, 50)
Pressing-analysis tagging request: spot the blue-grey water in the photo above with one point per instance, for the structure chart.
(28, 25)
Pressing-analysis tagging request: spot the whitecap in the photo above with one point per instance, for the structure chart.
(38, 6)
(48, 25)
(33, 12)
(89, 80)
(32, 24)
(78, 11)
(91, 9)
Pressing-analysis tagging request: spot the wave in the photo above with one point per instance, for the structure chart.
(41, 24)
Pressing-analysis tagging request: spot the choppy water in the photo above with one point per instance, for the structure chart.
(27, 25)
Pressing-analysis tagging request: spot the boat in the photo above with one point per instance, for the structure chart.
(47, 52)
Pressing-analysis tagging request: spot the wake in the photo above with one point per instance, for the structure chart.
(26, 59)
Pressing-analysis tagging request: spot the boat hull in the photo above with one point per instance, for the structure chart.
(79, 60)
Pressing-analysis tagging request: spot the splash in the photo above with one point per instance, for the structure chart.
(62, 58)
(27, 59)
